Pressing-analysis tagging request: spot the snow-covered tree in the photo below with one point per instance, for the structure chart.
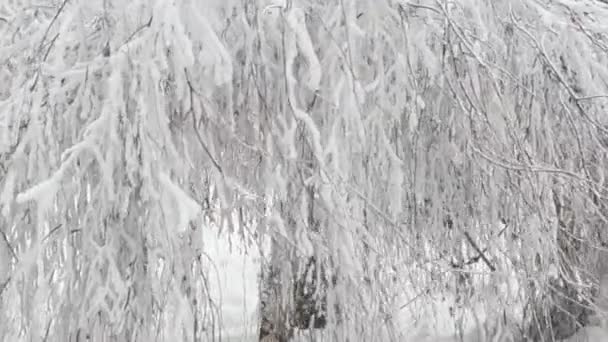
(450, 147)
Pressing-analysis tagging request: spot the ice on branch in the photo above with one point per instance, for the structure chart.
(300, 114)
(213, 53)
(296, 19)
(43, 193)
(275, 222)
(6, 195)
(187, 208)
(175, 34)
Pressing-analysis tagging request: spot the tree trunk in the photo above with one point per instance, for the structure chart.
(293, 295)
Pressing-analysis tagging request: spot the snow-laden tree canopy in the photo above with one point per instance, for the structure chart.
(448, 146)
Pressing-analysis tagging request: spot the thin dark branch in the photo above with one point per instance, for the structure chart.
(8, 244)
(139, 29)
(48, 330)
(46, 32)
(52, 231)
(52, 22)
(3, 287)
(480, 252)
(48, 50)
(422, 7)
(46, 55)
(420, 294)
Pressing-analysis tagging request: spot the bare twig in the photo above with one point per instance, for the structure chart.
(52, 231)
(46, 55)
(52, 22)
(421, 6)
(420, 294)
(139, 29)
(44, 36)
(48, 330)
(3, 287)
(48, 50)
(8, 244)
(479, 252)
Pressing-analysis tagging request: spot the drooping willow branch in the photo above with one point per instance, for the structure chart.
(198, 134)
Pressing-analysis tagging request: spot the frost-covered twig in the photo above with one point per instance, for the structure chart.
(192, 91)
(577, 135)
(530, 168)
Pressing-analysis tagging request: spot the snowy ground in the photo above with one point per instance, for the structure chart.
(235, 286)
